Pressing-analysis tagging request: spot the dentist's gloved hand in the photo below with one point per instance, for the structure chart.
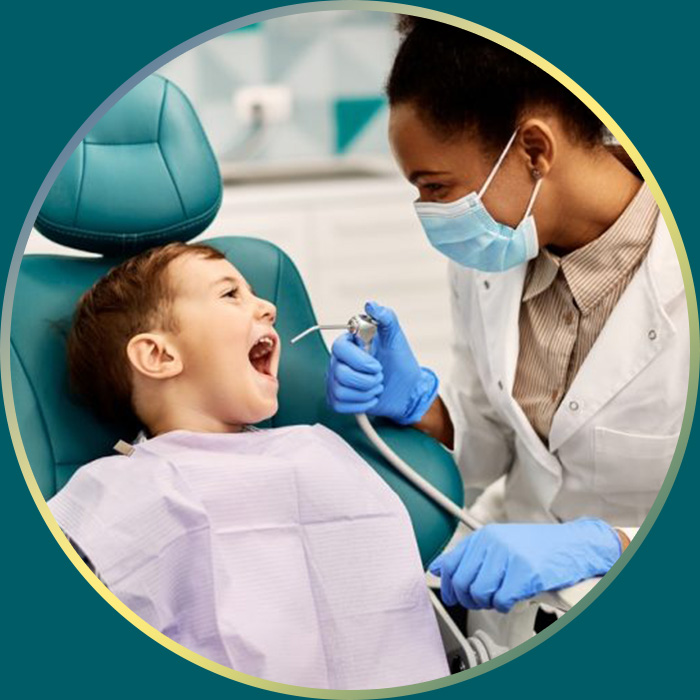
(388, 382)
(500, 565)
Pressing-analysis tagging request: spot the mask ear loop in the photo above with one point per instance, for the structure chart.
(533, 196)
(500, 160)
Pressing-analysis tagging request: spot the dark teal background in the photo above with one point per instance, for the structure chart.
(60, 60)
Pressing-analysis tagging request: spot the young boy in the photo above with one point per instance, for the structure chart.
(278, 553)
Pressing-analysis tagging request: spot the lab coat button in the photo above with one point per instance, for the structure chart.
(573, 405)
(487, 284)
(652, 334)
(500, 384)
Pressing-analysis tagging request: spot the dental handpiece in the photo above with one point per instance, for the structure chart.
(361, 325)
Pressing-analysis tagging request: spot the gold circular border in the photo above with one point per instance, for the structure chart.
(691, 299)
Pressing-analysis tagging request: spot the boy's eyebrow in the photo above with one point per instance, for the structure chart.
(234, 280)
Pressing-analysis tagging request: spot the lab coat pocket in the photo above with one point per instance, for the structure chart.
(631, 462)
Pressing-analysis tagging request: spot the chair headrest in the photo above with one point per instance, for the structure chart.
(144, 176)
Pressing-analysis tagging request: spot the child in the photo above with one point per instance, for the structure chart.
(278, 553)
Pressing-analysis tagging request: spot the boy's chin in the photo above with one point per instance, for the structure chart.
(266, 412)
(272, 411)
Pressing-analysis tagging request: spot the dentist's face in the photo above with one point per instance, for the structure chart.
(226, 339)
(446, 169)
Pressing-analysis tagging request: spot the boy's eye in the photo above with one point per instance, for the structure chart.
(231, 293)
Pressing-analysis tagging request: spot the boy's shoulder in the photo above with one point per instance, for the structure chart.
(137, 467)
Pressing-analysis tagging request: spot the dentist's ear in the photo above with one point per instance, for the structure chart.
(153, 356)
(539, 143)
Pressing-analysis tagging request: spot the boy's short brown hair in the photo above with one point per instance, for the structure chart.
(133, 297)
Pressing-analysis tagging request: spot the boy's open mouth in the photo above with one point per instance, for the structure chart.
(261, 354)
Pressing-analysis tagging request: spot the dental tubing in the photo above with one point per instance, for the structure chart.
(414, 477)
(365, 327)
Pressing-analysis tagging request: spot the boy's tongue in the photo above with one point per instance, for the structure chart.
(260, 356)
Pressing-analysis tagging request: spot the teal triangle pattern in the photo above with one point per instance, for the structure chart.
(256, 26)
(352, 114)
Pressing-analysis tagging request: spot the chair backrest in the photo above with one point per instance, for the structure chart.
(60, 435)
(145, 175)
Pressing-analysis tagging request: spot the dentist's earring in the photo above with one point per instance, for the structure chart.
(536, 174)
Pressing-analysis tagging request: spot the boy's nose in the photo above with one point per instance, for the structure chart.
(267, 310)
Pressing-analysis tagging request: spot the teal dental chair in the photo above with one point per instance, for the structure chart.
(144, 176)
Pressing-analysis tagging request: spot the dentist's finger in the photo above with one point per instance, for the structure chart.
(348, 377)
(382, 314)
(467, 569)
(517, 585)
(489, 579)
(447, 564)
(449, 561)
(345, 350)
(353, 408)
(462, 579)
(342, 394)
(447, 593)
(451, 595)
(385, 317)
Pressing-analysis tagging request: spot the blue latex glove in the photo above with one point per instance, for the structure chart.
(387, 382)
(500, 565)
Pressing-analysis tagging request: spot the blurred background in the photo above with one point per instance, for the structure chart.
(295, 111)
(319, 77)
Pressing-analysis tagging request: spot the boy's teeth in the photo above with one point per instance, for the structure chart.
(261, 348)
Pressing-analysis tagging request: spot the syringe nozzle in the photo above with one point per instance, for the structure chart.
(319, 327)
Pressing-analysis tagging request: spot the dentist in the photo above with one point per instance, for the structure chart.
(571, 340)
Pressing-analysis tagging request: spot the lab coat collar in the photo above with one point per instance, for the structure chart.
(500, 297)
(638, 329)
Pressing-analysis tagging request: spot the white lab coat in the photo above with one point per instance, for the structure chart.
(614, 433)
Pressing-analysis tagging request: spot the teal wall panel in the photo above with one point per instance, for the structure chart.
(352, 116)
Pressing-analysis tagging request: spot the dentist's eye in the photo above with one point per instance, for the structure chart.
(431, 191)
(230, 293)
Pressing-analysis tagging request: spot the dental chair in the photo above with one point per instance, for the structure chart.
(145, 176)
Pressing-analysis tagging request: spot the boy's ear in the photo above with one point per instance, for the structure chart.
(153, 356)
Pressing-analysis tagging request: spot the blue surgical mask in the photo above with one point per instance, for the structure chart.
(465, 232)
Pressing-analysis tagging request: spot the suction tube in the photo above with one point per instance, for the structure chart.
(414, 477)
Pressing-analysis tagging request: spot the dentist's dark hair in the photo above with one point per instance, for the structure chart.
(461, 83)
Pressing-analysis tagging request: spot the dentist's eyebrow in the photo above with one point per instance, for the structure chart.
(234, 280)
(417, 174)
